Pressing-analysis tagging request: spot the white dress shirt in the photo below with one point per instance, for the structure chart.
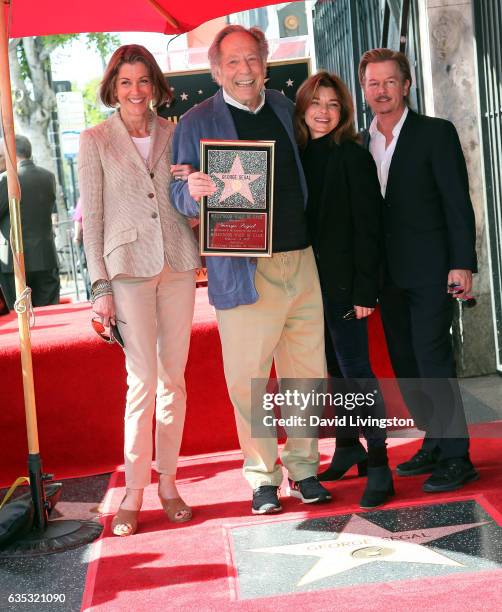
(233, 102)
(382, 154)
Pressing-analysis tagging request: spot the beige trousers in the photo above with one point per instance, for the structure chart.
(285, 324)
(157, 315)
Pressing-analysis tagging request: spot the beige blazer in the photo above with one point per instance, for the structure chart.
(129, 224)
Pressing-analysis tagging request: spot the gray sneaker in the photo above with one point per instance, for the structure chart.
(309, 490)
(266, 500)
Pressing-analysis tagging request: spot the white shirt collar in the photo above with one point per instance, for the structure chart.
(373, 130)
(229, 100)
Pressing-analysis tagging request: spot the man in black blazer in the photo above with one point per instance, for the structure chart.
(429, 245)
(38, 204)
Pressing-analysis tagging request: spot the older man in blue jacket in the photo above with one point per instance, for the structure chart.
(270, 309)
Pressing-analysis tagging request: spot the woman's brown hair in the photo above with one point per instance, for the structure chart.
(345, 130)
(130, 54)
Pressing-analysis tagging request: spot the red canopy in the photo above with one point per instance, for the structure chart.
(43, 17)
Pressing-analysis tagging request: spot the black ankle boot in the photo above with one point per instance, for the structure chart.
(379, 487)
(343, 459)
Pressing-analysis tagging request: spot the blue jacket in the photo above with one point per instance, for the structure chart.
(230, 279)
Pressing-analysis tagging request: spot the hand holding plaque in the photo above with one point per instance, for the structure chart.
(236, 219)
(200, 185)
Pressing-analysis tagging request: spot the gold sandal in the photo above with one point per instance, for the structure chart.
(176, 509)
(127, 519)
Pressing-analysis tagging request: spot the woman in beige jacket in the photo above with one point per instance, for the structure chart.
(142, 257)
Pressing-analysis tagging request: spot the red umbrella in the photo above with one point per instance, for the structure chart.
(28, 18)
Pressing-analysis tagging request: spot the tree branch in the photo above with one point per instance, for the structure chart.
(47, 49)
(22, 101)
(44, 96)
(13, 43)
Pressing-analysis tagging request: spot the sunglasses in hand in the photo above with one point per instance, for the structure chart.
(455, 288)
(113, 336)
(350, 314)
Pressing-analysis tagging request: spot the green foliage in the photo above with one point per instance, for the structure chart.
(23, 63)
(92, 110)
(58, 40)
(103, 42)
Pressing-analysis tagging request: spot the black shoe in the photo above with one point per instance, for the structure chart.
(421, 463)
(343, 459)
(265, 500)
(450, 474)
(309, 490)
(378, 488)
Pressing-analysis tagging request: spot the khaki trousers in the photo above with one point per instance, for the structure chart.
(157, 315)
(285, 324)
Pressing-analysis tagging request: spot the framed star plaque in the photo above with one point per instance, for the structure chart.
(237, 219)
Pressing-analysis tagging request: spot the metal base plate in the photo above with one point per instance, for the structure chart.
(59, 536)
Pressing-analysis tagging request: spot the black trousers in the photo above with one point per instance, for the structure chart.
(349, 339)
(417, 324)
(44, 285)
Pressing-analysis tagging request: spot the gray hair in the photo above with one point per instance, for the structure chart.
(214, 51)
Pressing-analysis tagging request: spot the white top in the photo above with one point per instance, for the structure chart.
(381, 154)
(229, 100)
(143, 146)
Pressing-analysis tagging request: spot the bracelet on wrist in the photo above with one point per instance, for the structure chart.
(99, 289)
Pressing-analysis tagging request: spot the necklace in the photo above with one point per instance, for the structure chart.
(148, 127)
(151, 116)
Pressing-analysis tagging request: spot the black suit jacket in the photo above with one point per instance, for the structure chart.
(346, 236)
(38, 202)
(428, 220)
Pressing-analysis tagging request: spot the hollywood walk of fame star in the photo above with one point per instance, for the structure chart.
(236, 181)
(361, 542)
(289, 83)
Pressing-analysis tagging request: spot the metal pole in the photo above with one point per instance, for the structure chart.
(83, 271)
(55, 135)
(403, 35)
(69, 235)
(356, 56)
(384, 40)
(73, 181)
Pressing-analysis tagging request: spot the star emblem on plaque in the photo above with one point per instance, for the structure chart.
(236, 183)
(357, 549)
(237, 218)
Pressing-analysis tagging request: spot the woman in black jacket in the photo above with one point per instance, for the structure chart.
(343, 212)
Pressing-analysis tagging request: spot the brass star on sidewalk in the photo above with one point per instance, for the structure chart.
(361, 542)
